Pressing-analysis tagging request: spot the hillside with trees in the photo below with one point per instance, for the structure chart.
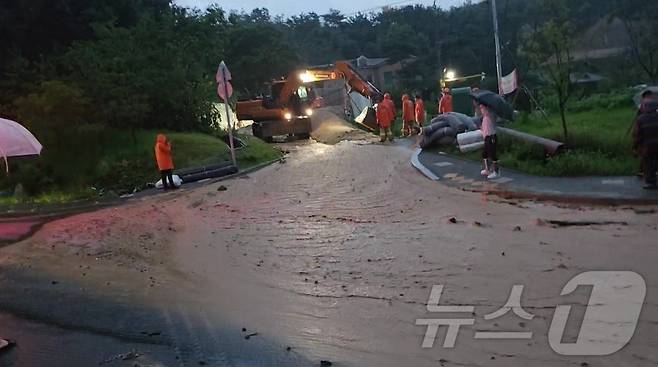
(76, 70)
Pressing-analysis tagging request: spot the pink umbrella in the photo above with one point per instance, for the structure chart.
(16, 141)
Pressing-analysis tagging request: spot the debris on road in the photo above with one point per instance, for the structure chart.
(567, 223)
(248, 336)
(222, 188)
(6, 344)
(130, 356)
(325, 364)
(151, 334)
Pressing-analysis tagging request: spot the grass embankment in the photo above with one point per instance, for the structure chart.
(119, 164)
(599, 145)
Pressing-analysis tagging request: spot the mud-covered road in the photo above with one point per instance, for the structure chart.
(327, 256)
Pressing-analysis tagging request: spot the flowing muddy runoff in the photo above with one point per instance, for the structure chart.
(327, 256)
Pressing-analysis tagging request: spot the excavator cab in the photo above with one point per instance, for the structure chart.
(291, 118)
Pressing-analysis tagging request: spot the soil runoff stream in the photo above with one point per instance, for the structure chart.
(327, 258)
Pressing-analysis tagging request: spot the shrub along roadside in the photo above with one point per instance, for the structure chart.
(124, 161)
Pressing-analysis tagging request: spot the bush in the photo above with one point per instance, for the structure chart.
(28, 174)
(599, 145)
(611, 100)
(58, 114)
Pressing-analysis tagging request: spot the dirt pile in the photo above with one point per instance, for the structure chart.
(330, 128)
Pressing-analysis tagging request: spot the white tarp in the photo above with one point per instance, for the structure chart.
(177, 181)
(221, 122)
(509, 83)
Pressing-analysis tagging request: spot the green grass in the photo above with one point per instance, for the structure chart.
(599, 145)
(49, 198)
(119, 163)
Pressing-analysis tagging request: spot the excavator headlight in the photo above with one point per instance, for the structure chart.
(306, 77)
(309, 112)
(287, 116)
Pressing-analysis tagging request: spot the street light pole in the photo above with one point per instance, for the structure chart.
(499, 68)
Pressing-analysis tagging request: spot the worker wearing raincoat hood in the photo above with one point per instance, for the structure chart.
(163, 158)
(385, 117)
(445, 104)
(390, 104)
(420, 111)
(407, 115)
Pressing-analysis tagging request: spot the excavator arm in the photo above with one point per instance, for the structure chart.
(286, 114)
(340, 70)
(356, 82)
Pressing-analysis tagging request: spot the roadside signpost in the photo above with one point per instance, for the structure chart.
(225, 91)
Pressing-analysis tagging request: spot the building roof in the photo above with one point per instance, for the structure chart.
(585, 78)
(606, 38)
(363, 62)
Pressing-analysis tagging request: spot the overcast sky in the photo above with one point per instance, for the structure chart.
(293, 7)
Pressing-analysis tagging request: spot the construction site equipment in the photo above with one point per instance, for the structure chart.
(470, 141)
(447, 82)
(205, 172)
(551, 147)
(289, 108)
(444, 129)
(462, 101)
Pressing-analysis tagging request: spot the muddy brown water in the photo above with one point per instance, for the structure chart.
(328, 256)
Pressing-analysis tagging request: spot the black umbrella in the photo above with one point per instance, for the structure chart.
(494, 101)
(638, 97)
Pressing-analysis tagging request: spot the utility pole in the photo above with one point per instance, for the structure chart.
(499, 68)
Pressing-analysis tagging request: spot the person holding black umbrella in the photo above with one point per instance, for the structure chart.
(490, 154)
(492, 106)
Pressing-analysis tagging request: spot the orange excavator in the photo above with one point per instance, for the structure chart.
(289, 109)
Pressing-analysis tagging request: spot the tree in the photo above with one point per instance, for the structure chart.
(333, 19)
(158, 74)
(640, 19)
(267, 57)
(54, 110)
(400, 41)
(549, 47)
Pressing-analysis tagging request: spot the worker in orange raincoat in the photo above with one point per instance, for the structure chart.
(420, 111)
(390, 105)
(165, 161)
(408, 116)
(445, 104)
(385, 117)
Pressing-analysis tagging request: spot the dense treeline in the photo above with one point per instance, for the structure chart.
(80, 73)
(148, 63)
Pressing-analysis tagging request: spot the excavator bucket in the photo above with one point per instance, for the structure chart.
(367, 118)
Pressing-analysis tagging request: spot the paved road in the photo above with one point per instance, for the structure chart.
(328, 256)
(465, 175)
